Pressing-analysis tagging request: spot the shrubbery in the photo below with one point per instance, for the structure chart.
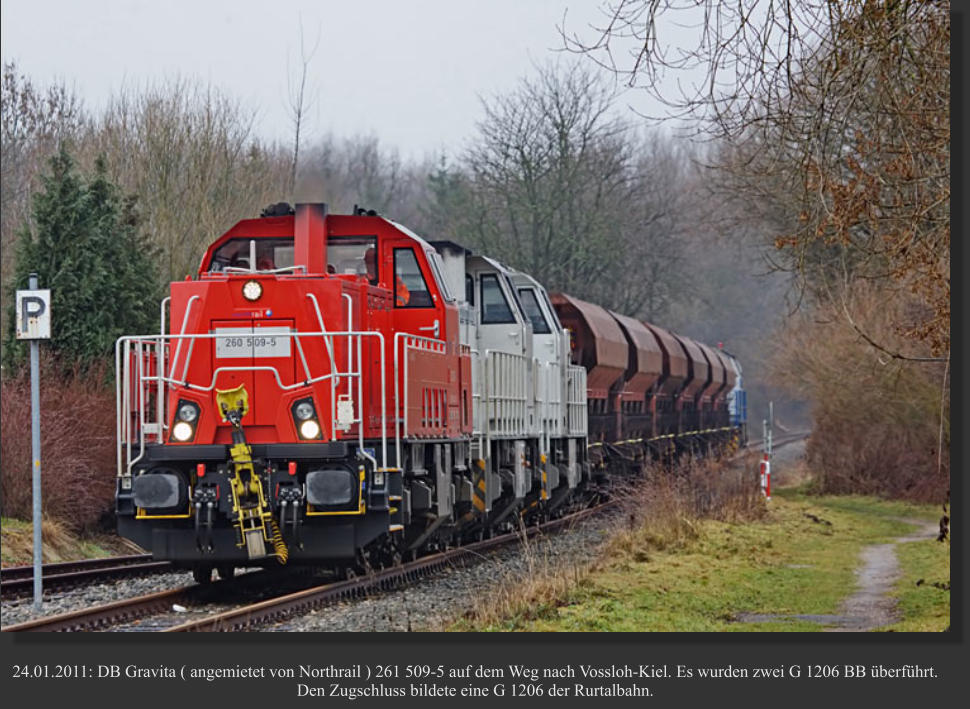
(877, 417)
(77, 445)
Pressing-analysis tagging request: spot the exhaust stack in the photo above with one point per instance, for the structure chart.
(310, 237)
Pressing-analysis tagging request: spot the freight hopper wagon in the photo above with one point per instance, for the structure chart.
(651, 393)
(330, 389)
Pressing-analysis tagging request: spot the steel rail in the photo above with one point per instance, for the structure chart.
(130, 609)
(16, 579)
(15, 572)
(105, 615)
(301, 601)
(127, 610)
(777, 441)
(52, 581)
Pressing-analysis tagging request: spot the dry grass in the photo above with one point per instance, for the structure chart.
(657, 513)
(18, 542)
(662, 512)
(793, 474)
(60, 544)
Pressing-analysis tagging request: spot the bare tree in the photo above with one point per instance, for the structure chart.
(33, 121)
(190, 155)
(836, 118)
(300, 102)
(359, 170)
(555, 185)
(834, 127)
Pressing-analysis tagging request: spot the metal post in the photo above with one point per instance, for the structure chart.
(35, 456)
(771, 425)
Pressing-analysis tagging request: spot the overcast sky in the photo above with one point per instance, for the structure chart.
(408, 71)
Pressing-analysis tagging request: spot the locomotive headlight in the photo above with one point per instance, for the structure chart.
(182, 431)
(305, 418)
(309, 429)
(186, 419)
(252, 290)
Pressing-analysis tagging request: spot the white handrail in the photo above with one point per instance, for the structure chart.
(185, 324)
(323, 329)
(350, 326)
(161, 367)
(398, 414)
(119, 429)
(125, 346)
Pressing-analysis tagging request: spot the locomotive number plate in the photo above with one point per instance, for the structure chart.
(247, 342)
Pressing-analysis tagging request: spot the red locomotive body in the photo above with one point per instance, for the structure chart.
(316, 342)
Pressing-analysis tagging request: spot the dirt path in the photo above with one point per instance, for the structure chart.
(871, 606)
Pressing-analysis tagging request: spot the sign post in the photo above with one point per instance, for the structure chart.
(768, 425)
(34, 324)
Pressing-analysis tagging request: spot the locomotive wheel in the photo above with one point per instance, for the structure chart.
(389, 557)
(364, 565)
(202, 574)
(226, 571)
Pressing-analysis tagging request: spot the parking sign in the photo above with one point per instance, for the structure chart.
(34, 314)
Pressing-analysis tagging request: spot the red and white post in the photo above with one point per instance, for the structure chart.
(768, 424)
(766, 477)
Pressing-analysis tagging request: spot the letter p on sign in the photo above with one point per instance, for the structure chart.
(33, 315)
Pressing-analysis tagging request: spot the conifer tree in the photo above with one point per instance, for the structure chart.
(85, 246)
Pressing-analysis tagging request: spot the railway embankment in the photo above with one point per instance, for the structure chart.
(60, 544)
(798, 562)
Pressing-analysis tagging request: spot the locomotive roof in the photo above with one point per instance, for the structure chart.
(445, 244)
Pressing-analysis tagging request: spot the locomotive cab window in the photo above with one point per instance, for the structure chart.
(495, 307)
(530, 306)
(271, 255)
(551, 310)
(353, 255)
(437, 270)
(410, 288)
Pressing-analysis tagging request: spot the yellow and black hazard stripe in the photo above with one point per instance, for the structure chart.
(479, 489)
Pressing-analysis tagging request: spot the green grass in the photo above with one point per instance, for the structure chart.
(784, 564)
(923, 607)
(862, 505)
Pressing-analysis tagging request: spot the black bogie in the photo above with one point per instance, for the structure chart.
(436, 501)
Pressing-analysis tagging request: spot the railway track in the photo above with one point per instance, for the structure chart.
(277, 607)
(16, 580)
(779, 440)
(133, 611)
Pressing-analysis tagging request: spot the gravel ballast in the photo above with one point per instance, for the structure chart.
(423, 605)
(431, 602)
(21, 609)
